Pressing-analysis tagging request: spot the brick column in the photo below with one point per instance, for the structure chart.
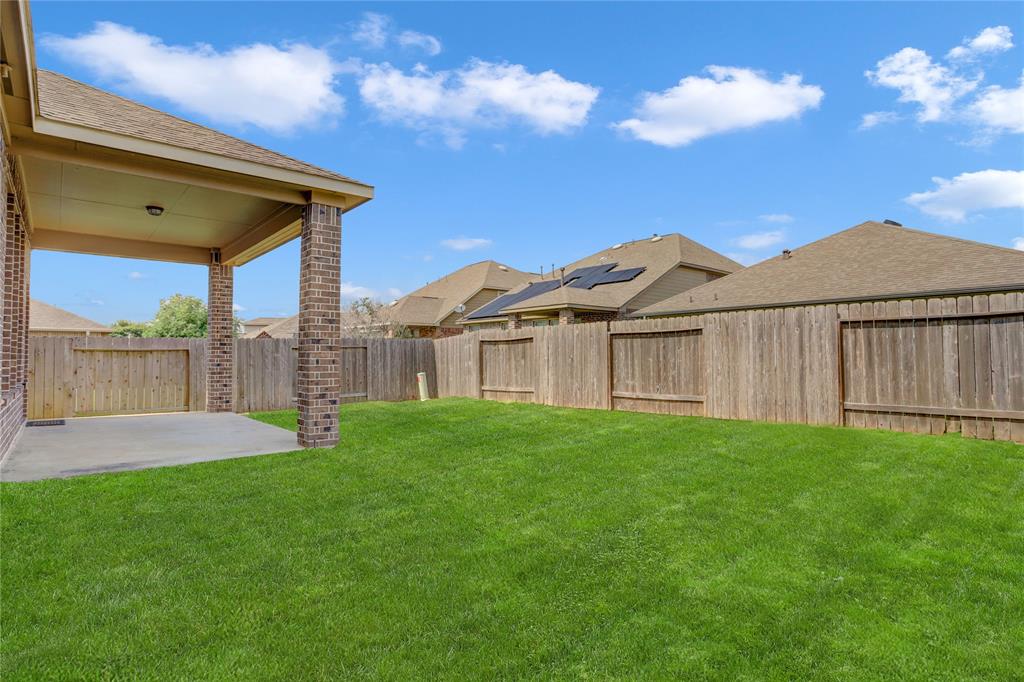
(14, 298)
(319, 382)
(566, 316)
(515, 321)
(220, 334)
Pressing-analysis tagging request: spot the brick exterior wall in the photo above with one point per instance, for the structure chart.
(14, 304)
(566, 316)
(609, 316)
(220, 333)
(444, 332)
(515, 322)
(319, 381)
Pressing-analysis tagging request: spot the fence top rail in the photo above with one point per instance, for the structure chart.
(124, 343)
(656, 332)
(933, 316)
(508, 340)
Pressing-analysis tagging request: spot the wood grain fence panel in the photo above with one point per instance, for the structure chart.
(659, 371)
(507, 369)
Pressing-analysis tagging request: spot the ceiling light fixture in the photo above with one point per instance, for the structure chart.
(154, 210)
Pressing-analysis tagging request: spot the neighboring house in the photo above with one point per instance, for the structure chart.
(257, 324)
(435, 309)
(48, 320)
(869, 262)
(607, 285)
(282, 328)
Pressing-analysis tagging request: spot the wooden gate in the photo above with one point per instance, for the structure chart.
(507, 369)
(90, 376)
(658, 371)
(935, 372)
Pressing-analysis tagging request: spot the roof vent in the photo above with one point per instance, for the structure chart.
(617, 246)
(892, 222)
(786, 253)
(656, 238)
(503, 268)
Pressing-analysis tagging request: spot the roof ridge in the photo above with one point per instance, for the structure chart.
(937, 235)
(193, 123)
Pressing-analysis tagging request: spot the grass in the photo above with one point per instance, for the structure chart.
(470, 539)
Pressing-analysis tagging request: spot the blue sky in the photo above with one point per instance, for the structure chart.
(536, 134)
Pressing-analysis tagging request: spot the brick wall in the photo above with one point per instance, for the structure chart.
(566, 316)
(609, 316)
(14, 305)
(319, 382)
(220, 354)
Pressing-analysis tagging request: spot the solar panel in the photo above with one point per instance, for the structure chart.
(595, 275)
(493, 309)
(580, 278)
(619, 276)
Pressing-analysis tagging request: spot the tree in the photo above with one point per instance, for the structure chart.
(179, 316)
(128, 328)
(366, 317)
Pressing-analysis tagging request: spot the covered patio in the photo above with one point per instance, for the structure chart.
(86, 171)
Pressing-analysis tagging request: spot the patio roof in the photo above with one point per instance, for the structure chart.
(93, 161)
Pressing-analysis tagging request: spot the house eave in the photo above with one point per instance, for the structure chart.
(932, 293)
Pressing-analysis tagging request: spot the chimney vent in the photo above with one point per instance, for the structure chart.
(892, 222)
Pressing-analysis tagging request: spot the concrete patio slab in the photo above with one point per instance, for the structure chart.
(103, 444)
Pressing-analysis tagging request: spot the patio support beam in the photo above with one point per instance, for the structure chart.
(220, 350)
(319, 381)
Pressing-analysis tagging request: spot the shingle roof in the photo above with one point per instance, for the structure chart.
(46, 317)
(284, 328)
(657, 257)
(69, 101)
(264, 321)
(869, 261)
(430, 304)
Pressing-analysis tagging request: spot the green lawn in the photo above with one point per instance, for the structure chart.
(464, 539)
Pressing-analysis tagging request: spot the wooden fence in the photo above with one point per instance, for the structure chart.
(921, 365)
(88, 376)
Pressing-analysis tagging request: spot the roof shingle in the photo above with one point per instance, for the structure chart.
(869, 261)
(69, 101)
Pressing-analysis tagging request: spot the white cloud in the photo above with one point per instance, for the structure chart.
(480, 94)
(759, 240)
(375, 31)
(275, 88)
(776, 217)
(466, 243)
(414, 39)
(394, 292)
(747, 259)
(1000, 109)
(96, 301)
(1018, 243)
(919, 80)
(372, 30)
(732, 99)
(351, 291)
(135, 274)
(989, 40)
(876, 118)
(968, 193)
(238, 308)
